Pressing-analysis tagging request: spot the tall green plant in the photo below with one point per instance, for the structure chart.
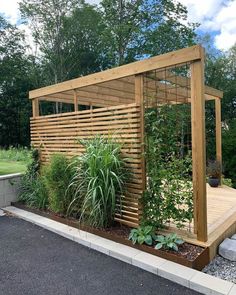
(58, 175)
(99, 180)
(32, 188)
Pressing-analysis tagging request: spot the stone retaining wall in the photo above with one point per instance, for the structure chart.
(9, 188)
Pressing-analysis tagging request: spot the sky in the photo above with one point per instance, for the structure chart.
(217, 18)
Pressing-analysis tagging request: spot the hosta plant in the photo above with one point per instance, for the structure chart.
(168, 242)
(143, 234)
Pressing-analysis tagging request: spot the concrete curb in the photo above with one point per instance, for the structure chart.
(182, 275)
(9, 176)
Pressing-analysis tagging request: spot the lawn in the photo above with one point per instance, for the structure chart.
(9, 167)
(14, 160)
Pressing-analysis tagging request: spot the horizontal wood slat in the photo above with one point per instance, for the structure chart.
(60, 134)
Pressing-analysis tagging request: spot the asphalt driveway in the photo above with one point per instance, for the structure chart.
(36, 261)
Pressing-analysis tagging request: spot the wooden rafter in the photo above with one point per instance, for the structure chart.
(157, 62)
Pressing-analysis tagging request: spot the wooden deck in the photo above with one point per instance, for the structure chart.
(221, 217)
(221, 205)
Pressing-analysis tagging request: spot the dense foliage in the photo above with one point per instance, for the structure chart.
(221, 74)
(33, 188)
(99, 180)
(47, 187)
(88, 187)
(58, 175)
(72, 38)
(169, 195)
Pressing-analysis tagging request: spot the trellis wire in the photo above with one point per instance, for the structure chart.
(169, 92)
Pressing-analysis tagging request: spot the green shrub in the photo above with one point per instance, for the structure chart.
(168, 242)
(57, 176)
(32, 188)
(227, 181)
(99, 180)
(142, 234)
(34, 192)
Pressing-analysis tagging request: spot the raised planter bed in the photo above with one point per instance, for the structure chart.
(9, 188)
(191, 255)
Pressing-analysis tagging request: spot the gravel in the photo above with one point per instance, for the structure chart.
(222, 268)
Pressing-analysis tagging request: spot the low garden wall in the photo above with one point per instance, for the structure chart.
(9, 188)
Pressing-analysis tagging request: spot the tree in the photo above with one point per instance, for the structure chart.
(122, 20)
(221, 74)
(81, 32)
(140, 28)
(14, 85)
(66, 33)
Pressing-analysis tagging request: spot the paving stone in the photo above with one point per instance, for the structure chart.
(2, 213)
(209, 285)
(103, 245)
(233, 237)
(227, 249)
(123, 252)
(148, 262)
(176, 273)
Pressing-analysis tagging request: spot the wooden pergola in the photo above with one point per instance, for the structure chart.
(114, 99)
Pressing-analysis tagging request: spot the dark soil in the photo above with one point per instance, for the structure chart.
(187, 251)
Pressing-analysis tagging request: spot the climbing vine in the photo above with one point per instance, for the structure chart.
(168, 198)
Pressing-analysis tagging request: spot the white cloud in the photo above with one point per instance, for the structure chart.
(93, 1)
(199, 10)
(215, 16)
(9, 8)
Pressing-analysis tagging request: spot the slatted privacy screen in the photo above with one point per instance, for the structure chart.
(59, 134)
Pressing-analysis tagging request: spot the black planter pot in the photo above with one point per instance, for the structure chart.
(213, 182)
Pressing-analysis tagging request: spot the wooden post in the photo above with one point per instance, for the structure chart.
(139, 99)
(35, 107)
(75, 101)
(199, 148)
(218, 132)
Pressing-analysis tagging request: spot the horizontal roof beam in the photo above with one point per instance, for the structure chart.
(165, 60)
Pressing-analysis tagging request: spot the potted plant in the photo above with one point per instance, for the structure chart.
(214, 173)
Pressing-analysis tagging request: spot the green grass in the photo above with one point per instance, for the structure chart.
(15, 154)
(9, 167)
(14, 160)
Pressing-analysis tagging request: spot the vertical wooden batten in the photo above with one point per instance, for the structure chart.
(35, 107)
(199, 148)
(75, 101)
(218, 132)
(139, 99)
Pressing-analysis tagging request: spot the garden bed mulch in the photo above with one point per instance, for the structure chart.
(188, 255)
